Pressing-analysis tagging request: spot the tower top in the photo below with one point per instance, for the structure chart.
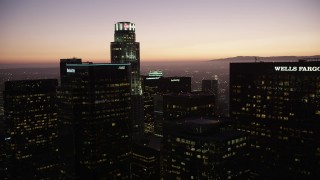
(125, 26)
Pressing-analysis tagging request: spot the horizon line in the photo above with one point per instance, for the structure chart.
(6, 62)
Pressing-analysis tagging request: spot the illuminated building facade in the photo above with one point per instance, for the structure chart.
(95, 109)
(182, 105)
(174, 106)
(31, 129)
(277, 104)
(197, 148)
(155, 84)
(125, 49)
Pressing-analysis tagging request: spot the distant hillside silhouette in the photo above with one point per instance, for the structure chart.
(265, 59)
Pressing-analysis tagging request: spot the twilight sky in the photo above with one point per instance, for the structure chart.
(34, 31)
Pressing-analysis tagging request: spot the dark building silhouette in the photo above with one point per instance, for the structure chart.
(210, 85)
(158, 85)
(94, 110)
(197, 148)
(125, 49)
(31, 129)
(158, 115)
(3, 167)
(277, 104)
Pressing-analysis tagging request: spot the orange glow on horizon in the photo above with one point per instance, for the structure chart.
(34, 32)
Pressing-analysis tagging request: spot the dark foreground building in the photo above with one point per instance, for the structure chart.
(197, 148)
(125, 49)
(278, 105)
(95, 131)
(31, 130)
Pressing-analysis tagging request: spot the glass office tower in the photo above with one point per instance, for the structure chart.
(125, 49)
(31, 133)
(95, 120)
(182, 105)
(278, 105)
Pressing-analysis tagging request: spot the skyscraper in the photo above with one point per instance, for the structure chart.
(277, 104)
(63, 67)
(125, 49)
(31, 129)
(177, 106)
(95, 114)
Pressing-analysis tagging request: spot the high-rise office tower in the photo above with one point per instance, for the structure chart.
(95, 120)
(125, 49)
(199, 148)
(177, 106)
(63, 66)
(277, 104)
(157, 85)
(31, 149)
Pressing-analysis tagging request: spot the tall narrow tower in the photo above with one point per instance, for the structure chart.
(125, 49)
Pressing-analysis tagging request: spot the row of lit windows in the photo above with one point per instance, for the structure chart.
(304, 131)
(144, 158)
(30, 96)
(264, 116)
(186, 141)
(23, 157)
(34, 110)
(29, 101)
(110, 92)
(47, 166)
(235, 141)
(107, 109)
(295, 133)
(228, 155)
